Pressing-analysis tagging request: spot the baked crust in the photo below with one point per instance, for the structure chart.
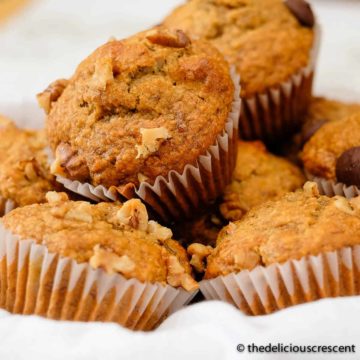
(323, 149)
(262, 38)
(24, 172)
(298, 224)
(138, 108)
(116, 237)
(258, 177)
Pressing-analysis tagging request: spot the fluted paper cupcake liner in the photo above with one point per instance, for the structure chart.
(276, 113)
(178, 196)
(6, 206)
(35, 281)
(333, 188)
(264, 290)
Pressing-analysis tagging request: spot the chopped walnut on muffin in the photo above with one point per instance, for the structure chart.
(118, 238)
(295, 225)
(24, 171)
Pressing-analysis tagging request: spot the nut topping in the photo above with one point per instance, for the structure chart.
(151, 141)
(51, 94)
(169, 38)
(134, 214)
(111, 262)
(199, 253)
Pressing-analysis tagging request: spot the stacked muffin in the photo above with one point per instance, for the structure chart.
(141, 158)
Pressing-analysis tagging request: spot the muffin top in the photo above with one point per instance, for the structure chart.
(24, 172)
(117, 238)
(138, 108)
(298, 224)
(324, 154)
(266, 40)
(259, 176)
(323, 110)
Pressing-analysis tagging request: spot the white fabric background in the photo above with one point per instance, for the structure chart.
(46, 42)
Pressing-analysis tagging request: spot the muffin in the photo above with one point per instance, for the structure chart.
(273, 46)
(296, 249)
(259, 176)
(24, 172)
(320, 111)
(71, 260)
(154, 116)
(331, 156)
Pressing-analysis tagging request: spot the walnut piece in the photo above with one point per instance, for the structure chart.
(161, 232)
(54, 197)
(51, 94)
(111, 262)
(151, 141)
(177, 276)
(103, 74)
(311, 188)
(246, 259)
(169, 38)
(343, 205)
(133, 213)
(199, 253)
(80, 213)
(68, 163)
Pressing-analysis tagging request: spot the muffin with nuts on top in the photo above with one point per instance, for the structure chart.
(332, 157)
(24, 172)
(125, 257)
(273, 45)
(296, 249)
(152, 115)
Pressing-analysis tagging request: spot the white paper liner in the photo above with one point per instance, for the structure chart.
(35, 281)
(333, 188)
(6, 206)
(178, 195)
(267, 289)
(278, 112)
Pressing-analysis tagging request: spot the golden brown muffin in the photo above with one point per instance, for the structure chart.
(298, 224)
(333, 151)
(266, 40)
(259, 176)
(24, 172)
(137, 108)
(117, 238)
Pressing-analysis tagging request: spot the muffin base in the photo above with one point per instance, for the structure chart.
(177, 196)
(278, 112)
(264, 290)
(34, 281)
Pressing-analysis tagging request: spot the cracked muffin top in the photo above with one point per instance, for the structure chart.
(138, 108)
(258, 176)
(24, 172)
(333, 152)
(298, 224)
(266, 40)
(117, 238)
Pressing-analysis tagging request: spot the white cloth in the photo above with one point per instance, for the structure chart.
(44, 43)
(209, 330)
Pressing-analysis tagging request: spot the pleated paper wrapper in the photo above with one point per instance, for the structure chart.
(34, 281)
(333, 188)
(178, 196)
(264, 290)
(6, 206)
(278, 112)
